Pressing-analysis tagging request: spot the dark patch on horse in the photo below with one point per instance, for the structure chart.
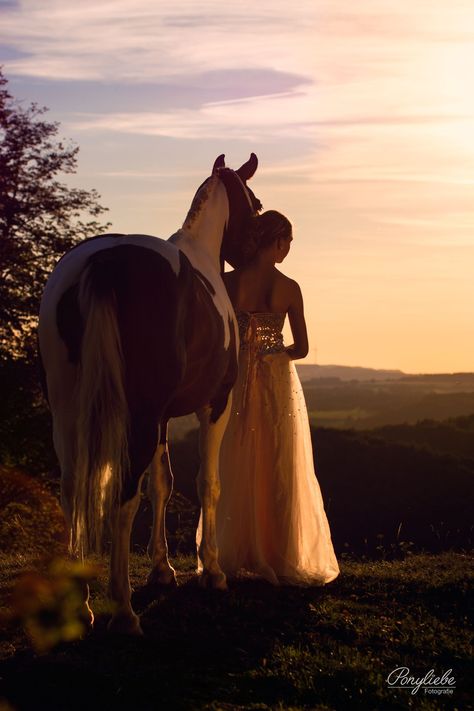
(256, 204)
(150, 317)
(163, 439)
(219, 402)
(235, 193)
(69, 322)
(240, 210)
(207, 360)
(205, 281)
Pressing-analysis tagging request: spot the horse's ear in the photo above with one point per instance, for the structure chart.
(246, 170)
(218, 163)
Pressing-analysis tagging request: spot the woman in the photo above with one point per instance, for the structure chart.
(270, 517)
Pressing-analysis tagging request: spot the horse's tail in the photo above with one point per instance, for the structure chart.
(103, 420)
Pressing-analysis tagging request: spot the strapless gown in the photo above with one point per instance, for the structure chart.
(270, 518)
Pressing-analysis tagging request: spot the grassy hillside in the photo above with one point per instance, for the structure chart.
(259, 647)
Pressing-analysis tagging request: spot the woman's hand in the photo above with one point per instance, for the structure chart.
(294, 353)
(271, 357)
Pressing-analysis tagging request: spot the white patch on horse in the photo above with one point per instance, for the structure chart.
(203, 264)
(71, 265)
(200, 239)
(68, 272)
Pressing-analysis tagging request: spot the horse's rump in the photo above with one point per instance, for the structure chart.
(124, 326)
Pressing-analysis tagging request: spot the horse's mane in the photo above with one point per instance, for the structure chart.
(200, 198)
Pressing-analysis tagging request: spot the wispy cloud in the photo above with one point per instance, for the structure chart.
(255, 119)
(143, 40)
(362, 115)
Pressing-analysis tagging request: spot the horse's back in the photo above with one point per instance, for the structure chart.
(142, 271)
(65, 278)
(71, 265)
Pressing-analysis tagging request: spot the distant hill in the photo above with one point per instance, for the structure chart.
(346, 372)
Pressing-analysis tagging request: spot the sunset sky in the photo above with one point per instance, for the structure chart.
(361, 114)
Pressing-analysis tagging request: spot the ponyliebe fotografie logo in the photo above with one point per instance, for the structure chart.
(400, 678)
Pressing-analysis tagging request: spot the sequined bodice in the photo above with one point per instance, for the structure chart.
(262, 331)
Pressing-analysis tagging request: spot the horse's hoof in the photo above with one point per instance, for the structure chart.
(164, 578)
(213, 581)
(125, 623)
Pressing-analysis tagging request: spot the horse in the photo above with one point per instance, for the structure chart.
(135, 330)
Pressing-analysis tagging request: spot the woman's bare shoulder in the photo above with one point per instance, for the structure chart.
(289, 285)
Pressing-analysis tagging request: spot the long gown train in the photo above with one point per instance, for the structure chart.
(270, 517)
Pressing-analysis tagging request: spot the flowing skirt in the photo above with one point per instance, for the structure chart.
(270, 517)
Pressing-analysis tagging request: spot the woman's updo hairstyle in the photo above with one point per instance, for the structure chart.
(261, 231)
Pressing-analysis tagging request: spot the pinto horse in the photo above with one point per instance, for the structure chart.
(135, 330)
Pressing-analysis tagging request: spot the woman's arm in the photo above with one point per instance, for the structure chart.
(299, 348)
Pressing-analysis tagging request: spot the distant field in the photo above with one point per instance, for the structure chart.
(371, 403)
(338, 418)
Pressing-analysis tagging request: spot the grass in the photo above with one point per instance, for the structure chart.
(257, 646)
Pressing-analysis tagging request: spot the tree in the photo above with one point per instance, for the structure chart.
(40, 217)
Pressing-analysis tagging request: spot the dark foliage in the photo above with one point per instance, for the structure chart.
(384, 497)
(25, 505)
(455, 435)
(25, 421)
(40, 217)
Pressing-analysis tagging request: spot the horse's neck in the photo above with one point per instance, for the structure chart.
(201, 235)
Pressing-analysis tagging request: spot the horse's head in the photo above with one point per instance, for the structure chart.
(243, 205)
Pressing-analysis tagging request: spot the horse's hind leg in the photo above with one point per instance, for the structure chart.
(211, 434)
(61, 384)
(124, 619)
(160, 487)
(64, 438)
